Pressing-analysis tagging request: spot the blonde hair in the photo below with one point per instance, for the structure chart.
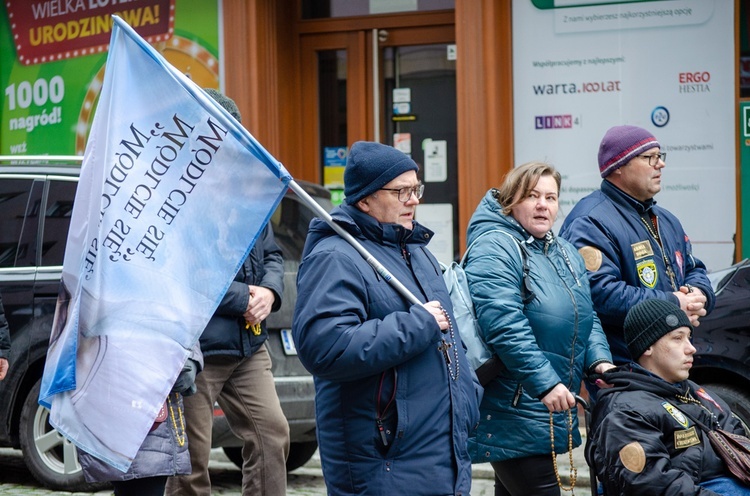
(523, 179)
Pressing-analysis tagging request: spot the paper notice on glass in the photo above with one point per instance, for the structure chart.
(402, 142)
(438, 217)
(435, 160)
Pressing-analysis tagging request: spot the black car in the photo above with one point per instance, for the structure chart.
(722, 361)
(36, 202)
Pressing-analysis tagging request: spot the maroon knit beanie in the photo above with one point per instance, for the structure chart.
(621, 144)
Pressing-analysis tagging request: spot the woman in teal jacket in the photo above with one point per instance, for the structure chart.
(534, 308)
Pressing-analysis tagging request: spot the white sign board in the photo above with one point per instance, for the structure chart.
(667, 66)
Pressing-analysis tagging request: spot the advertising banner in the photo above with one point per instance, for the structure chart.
(583, 66)
(53, 57)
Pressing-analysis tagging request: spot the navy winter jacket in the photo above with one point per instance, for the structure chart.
(553, 339)
(225, 333)
(641, 444)
(375, 356)
(625, 262)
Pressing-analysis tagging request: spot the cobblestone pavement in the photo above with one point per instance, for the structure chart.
(226, 479)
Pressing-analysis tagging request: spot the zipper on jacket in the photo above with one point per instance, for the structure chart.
(656, 235)
(548, 240)
(405, 254)
(575, 309)
(517, 396)
(380, 413)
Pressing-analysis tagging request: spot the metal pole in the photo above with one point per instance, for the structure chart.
(384, 273)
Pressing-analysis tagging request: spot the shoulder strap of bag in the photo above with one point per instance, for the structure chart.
(527, 295)
(733, 449)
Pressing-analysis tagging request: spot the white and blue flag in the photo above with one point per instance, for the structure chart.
(173, 194)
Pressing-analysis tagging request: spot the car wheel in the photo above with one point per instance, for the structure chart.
(234, 454)
(51, 459)
(299, 454)
(738, 400)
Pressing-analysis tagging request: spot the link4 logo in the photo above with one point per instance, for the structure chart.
(555, 121)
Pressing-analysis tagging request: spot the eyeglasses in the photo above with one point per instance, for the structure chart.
(653, 160)
(404, 194)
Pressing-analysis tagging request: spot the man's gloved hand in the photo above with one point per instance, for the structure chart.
(185, 383)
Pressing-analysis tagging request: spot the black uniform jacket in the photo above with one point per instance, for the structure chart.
(643, 440)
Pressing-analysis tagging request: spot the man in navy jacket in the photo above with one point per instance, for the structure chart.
(395, 395)
(634, 249)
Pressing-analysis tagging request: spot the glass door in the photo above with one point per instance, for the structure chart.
(419, 108)
(397, 87)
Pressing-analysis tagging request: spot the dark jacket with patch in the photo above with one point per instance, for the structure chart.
(641, 444)
(370, 351)
(226, 332)
(610, 221)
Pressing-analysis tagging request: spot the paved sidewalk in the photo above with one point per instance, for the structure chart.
(15, 479)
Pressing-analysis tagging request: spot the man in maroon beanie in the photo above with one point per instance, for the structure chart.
(634, 250)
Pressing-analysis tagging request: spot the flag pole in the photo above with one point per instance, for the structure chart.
(384, 273)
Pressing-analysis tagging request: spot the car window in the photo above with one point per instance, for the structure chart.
(57, 220)
(19, 203)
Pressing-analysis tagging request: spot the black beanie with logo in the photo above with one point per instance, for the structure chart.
(648, 321)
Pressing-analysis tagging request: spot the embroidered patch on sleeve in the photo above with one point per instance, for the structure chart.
(592, 257)
(704, 394)
(633, 457)
(685, 438)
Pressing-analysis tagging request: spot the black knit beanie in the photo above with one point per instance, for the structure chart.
(648, 321)
(370, 166)
(225, 102)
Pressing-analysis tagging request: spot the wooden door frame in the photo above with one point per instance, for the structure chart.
(357, 115)
(358, 44)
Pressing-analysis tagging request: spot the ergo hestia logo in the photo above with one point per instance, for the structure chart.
(694, 82)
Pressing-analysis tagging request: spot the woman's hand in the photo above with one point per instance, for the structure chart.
(600, 369)
(559, 399)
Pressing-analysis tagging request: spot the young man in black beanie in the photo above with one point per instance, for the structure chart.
(643, 438)
(395, 395)
(634, 249)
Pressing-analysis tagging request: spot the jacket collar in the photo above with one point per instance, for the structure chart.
(360, 224)
(620, 197)
(489, 216)
(633, 377)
